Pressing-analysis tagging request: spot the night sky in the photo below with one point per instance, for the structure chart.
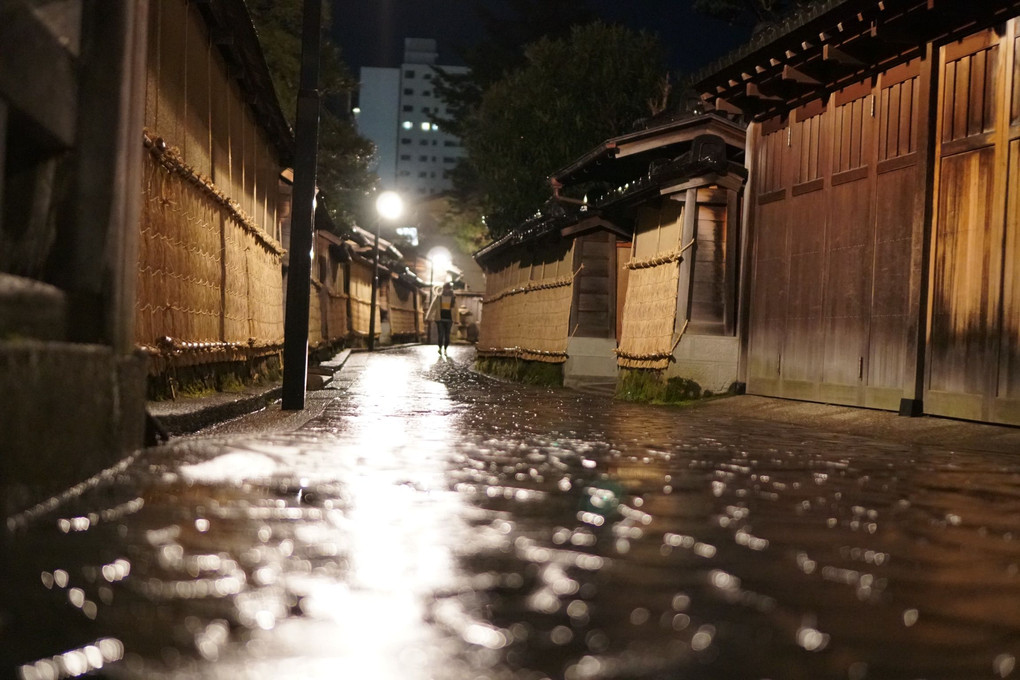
(371, 32)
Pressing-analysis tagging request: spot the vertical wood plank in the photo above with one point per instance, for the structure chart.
(993, 90)
(908, 118)
(978, 95)
(948, 83)
(688, 232)
(888, 111)
(1014, 117)
(961, 99)
(731, 295)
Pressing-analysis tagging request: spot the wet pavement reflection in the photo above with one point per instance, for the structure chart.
(435, 524)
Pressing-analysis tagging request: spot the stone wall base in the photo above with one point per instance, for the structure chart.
(67, 411)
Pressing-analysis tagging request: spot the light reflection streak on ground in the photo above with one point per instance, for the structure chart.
(433, 524)
(400, 519)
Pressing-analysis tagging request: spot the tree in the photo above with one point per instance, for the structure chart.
(572, 94)
(502, 50)
(520, 23)
(753, 12)
(342, 172)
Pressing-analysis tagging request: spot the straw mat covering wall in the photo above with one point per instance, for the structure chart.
(209, 281)
(529, 321)
(361, 298)
(335, 314)
(403, 314)
(649, 313)
(316, 333)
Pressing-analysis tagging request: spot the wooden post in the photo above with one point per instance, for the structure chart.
(295, 331)
(97, 250)
(915, 370)
(688, 238)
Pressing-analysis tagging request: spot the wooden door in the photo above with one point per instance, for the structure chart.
(622, 276)
(972, 359)
(835, 226)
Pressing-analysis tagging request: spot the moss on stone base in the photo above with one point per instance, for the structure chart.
(652, 387)
(205, 379)
(520, 370)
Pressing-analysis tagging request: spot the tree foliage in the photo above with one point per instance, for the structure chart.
(506, 35)
(342, 172)
(752, 12)
(571, 94)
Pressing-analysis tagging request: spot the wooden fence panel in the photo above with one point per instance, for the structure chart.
(848, 283)
(361, 299)
(1009, 365)
(804, 343)
(970, 359)
(402, 309)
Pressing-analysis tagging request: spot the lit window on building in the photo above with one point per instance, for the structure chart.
(426, 127)
(409, 233)
(407, 125)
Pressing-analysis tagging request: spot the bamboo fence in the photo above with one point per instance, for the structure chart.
(209, 278)
(649, 312)
(361, 298)
(403, 313)
(527, 317)
(336, 316)
(316, 332)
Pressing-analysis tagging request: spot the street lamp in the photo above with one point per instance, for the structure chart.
(388, 206)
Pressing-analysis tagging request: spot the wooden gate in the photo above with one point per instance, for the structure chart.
(974, 331)
(836, 228)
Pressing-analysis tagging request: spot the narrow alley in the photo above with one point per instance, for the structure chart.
(432, 523)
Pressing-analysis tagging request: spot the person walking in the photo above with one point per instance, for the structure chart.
(441, 312)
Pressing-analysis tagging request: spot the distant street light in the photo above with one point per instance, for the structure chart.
(388, 206)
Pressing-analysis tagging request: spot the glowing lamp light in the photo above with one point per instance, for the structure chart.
(440, 259)
(389, 205)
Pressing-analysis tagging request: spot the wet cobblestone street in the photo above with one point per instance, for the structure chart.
(435, 524)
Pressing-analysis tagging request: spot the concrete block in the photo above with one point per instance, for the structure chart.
(590, 357)
(31, 309)
(68, 411)
(709, 360)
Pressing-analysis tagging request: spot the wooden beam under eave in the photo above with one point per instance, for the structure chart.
(833, 54)
(754, 92)
(726, 107)
(595, 222)
(792, 75)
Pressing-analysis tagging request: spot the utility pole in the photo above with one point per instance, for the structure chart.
(302, 226)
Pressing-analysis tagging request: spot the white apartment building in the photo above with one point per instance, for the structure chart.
(395, 111)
